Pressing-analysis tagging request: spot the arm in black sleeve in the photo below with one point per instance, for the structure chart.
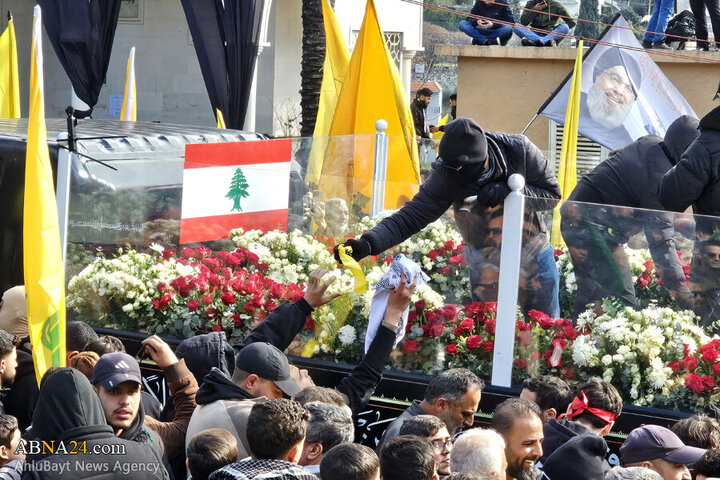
(686, 181)
(427, 206)
(363, 380)
(280, 327)
(541, 186)
(527, 16)
(659, 232)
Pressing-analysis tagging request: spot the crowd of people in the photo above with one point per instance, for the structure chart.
(243, 411)
(546, 23)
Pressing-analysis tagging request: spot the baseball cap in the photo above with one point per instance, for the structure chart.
(651, 442)
(266, 361)
(115, 368)
(463, 143)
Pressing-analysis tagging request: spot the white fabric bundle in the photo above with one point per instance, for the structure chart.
(390, 281)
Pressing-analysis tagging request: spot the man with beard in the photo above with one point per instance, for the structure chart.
(418, 109)
(605, 107)
(453, 397)
(518, 422)
(8, 361)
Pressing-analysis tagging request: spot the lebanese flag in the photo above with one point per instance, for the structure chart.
(232, 185)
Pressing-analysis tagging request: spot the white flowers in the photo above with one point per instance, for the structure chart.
(347, 335)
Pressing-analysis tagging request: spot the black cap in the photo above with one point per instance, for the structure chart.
(115, 368)
(463, 143)
(651, 442)
(266, 361)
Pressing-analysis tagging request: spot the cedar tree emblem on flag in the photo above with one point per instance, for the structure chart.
(238, 189)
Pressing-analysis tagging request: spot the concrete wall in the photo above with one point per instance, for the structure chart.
(503, 87)
(169, 84)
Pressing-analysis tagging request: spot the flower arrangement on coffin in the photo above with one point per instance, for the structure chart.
(631, 349)
(180, 295)
(697, 380)
(438, 249)
(649, 286)
(471, 340)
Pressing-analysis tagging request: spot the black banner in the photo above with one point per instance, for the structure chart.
(226, 39)
(82, 34)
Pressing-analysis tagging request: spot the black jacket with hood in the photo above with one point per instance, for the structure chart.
(509, 153)
(557, 433)
(69, 410)
(695, 180)
(280, 330)
(631, 178)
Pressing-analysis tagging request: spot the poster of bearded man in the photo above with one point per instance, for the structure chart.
(624, 95)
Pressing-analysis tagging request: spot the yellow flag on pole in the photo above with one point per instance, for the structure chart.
(129, 105)
(568, 154)
(9, 83)
(371, 91)
(220, 118)
(438, 135)
(335, 66)
(42, 257)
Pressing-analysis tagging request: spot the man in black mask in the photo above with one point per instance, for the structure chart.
(471, 176)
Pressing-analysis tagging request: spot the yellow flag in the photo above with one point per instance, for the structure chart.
(9, 83)
(568, 154)
(220, 119)
(438, 135)
(371, 91)
(354, 267)
(334, 69)
(42, 257)
(129, 105)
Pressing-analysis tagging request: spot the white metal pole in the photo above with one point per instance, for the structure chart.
(62, 191)
(510, 256)
(377, 204)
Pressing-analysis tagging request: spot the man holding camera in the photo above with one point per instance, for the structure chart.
(548, 16)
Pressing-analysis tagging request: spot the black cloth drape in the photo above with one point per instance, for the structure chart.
(226, 42)
(82, 34)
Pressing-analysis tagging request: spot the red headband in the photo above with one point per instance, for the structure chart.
(580, 405)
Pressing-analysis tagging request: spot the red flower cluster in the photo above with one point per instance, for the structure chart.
(233, 281)
(560, 332)
(454, 254)
(646, 277)
(701, 368)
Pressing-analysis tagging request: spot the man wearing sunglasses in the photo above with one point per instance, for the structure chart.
(471, 176)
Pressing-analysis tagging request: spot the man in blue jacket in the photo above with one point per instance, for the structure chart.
(485, 31)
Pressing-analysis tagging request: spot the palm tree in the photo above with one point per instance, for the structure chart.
(313, 56)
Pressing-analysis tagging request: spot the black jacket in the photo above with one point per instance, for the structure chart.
(284, 323)
(218, 386)
(511, 153)
(418, 110)
(68, 409)
(557, 433)
(631, 177)
(496, 11)
(695, 180)
(22, 396)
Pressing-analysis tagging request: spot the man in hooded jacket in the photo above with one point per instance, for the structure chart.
(695, 180)
(595, 234)
(471, 176)
(68, 410)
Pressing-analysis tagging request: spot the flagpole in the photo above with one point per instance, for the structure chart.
(528, 125)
